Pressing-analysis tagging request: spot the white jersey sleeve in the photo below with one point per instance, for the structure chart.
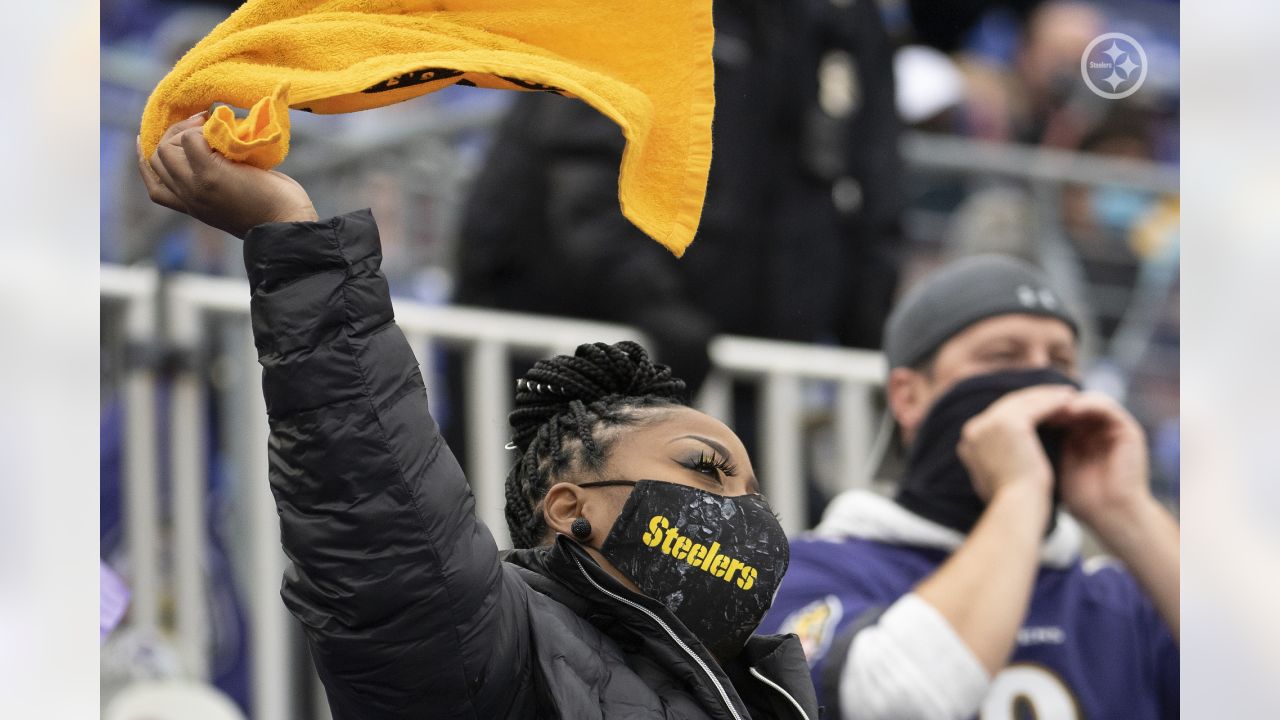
(910, 664)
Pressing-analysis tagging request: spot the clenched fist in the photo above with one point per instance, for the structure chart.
(187, 175)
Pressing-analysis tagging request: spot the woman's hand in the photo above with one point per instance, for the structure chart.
(187, 175)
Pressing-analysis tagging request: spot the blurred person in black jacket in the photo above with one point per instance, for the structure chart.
(798, 235)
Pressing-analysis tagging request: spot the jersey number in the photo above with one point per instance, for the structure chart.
(1026, 691)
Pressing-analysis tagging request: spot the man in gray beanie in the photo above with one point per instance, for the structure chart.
(965, 595)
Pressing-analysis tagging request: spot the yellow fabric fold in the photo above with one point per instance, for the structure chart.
(646, 65)
(261, 138)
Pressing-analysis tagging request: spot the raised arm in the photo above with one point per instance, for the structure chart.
(397, 585)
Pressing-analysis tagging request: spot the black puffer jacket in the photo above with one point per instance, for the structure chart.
(408, 610)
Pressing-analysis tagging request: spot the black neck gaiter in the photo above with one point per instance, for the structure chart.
(936, 484)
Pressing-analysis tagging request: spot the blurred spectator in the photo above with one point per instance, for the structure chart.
(1021, 63)
(928, 84)
(1035, 94)
(799, 232)
(966, 593)
(1087, 238)
(947, 24)
(128, 20)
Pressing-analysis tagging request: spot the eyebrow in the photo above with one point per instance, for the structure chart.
(721, 449)
(752, 482)
(999, 340)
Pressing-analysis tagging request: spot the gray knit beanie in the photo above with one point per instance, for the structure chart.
(962, 293)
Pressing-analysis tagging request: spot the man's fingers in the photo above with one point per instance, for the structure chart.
(1096, 404)
(1098, 410)
(1035, 404)
(156, 189)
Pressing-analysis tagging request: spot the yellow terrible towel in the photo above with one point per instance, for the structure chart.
(645, 64)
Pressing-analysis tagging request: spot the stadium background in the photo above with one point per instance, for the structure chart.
(1098, 207)
(49, 662)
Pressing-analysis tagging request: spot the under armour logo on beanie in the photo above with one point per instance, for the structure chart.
(961, 294)
(1031, 297)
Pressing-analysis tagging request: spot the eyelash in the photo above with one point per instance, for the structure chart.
(713, 465)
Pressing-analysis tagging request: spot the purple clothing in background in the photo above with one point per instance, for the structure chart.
(1090, 633)
(113, 600)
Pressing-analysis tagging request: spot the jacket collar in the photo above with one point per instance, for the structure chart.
(868, 516)
(777, 661)
(629, 619)
(565, 572)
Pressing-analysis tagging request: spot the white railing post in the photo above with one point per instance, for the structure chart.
(783, 481)
(854, 427)
(426, 352)
(188, 463)
(716, 397)
(142, 486)
(488, 404)
(319, 699)
(272, 661)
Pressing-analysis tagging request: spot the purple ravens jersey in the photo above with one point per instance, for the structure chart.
(1092, 645)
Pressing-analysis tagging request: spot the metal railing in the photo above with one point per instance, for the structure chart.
(781, 370)
(1034, 163)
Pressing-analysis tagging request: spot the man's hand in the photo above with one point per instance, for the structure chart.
(1000, 447)
(1105, 482)
(186, 175)
(1104, 476)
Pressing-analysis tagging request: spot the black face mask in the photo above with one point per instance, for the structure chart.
(714, 561)
(936, 484)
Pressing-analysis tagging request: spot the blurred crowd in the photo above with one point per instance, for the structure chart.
(823, 206)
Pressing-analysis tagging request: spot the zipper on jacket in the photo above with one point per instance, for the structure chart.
(760, 676)
(688, 650)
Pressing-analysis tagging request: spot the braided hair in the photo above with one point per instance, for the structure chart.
(561, 407)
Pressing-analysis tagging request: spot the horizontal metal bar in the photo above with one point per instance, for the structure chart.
(210, 293)
(946, 152)
(448, 323)
(734, 355)
(753, 356)
(122, 282)
(516, 330)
